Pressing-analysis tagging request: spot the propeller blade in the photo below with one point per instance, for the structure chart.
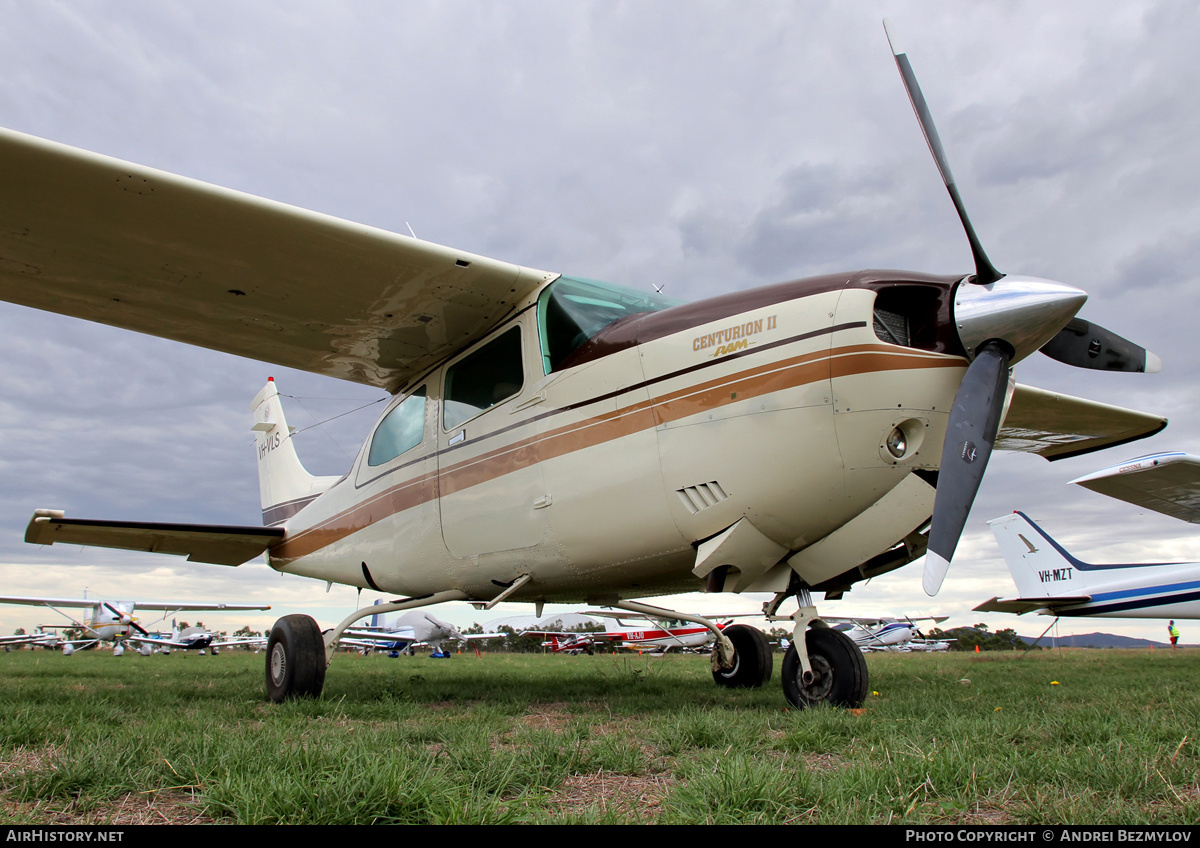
(985, 272)
(970, 434)
(1086, 345)
(126, 619)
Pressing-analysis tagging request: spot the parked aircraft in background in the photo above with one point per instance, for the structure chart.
(555, 439)
(1053, 582)
(195, 638)
(659, 635)
(890, 634)
(113, 621)
(414, 628)
(17, 640)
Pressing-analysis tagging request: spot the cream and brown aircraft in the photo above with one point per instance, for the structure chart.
(555, 439)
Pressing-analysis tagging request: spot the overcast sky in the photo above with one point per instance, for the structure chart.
(704, 147)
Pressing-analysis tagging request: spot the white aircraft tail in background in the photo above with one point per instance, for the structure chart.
(1053, 582)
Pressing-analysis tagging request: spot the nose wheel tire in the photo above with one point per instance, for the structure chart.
(839, 671)
(295, 659)
(751, 659)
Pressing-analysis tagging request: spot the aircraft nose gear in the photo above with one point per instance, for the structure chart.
(827, 668)
(839, 671)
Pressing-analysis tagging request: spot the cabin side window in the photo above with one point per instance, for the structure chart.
(401, 430)
(488, 376)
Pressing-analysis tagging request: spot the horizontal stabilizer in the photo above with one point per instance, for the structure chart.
(216, 544)
(1020, 606)
(1058, 426)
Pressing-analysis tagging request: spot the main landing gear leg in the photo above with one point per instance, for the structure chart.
(298, 653)
(822, 665)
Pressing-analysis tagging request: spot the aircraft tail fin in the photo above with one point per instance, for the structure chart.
(285, 486)
(1039, 566)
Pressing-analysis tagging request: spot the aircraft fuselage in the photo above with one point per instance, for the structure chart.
(771, 407)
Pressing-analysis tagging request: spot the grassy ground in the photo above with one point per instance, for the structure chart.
(1057, 737)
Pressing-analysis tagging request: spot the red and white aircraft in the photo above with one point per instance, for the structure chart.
(658, 635)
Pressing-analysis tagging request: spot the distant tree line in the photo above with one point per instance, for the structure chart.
(967, 638)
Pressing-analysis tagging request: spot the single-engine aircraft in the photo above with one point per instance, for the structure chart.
(889, 634)
(113, 621)
(555, 439)
(1053, 582)
(413, 628)
(194, 638)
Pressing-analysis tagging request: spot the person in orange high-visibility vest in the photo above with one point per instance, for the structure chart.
(1173, 632)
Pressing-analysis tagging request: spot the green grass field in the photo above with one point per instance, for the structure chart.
(1082, 737)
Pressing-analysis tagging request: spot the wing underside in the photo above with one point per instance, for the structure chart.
(1167, 482)
(97, 238)
(1058, 426)
(216, 544)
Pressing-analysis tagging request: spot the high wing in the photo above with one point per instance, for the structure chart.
(164, 642)
(562, 634)
(94, 237)
(1020, 606)
(1165, 482)
(370, 644)
(50, 602)
(247, 640)
(172, 606)
(898, 619)
(620, 614)
(26, 638)
(179, 606)
(159, 642)
(1058, 426)
(403, 634)
(216, 544)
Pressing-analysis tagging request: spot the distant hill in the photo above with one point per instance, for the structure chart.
(1096, 640)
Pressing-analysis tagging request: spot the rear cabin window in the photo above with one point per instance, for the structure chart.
(401, 430)
(572, 310)
(484, 378)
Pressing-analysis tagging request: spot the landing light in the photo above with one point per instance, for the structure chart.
(897, 444)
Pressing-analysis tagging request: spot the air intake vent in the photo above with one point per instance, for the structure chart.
(891, 327)
(696, 498)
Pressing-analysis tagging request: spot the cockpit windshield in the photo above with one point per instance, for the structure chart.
(572, 310)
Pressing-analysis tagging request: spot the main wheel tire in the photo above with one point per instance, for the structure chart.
(295, 659)
(839, 669)
(751, 659)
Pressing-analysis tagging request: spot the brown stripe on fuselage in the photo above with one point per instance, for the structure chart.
(406, 495)
(867, 359)
(673, 406)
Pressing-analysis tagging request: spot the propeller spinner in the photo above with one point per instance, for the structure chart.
(1000, 320)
